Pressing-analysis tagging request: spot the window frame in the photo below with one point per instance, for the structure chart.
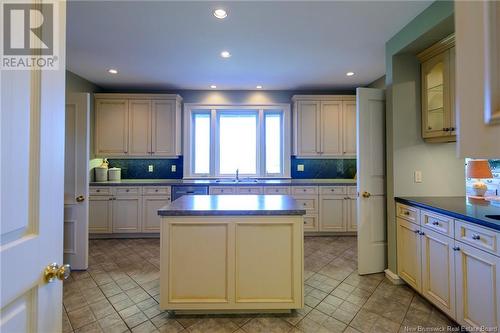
(216, 109)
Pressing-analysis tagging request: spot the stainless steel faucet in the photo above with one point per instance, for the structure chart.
(237, 174)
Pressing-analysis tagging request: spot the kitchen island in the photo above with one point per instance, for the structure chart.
(232, 253)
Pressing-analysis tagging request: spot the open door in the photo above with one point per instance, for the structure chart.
(372, 234)
(32, 190)
(76, 181)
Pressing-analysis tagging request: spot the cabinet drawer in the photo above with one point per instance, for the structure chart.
(153, 190)
(222, 190)
(310, 204)
(408, 213)
(305, 190)
(333, 190)
(352, 190)
(436, 222)
(121, 191)
(310, 223)
(249, 190)
(283, 190)
(482, 238)
(100, 190)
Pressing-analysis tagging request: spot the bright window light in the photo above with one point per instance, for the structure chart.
(201, 147)
(238, 143)
(273, 143)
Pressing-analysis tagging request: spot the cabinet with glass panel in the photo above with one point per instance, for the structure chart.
(438, 91)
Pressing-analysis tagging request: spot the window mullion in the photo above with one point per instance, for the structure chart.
(214, 144)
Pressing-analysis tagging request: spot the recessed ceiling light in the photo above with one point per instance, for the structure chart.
(225, 54)
(258, 87)
(220, 13)
(213, 86)
(349, 73)
(112, 71)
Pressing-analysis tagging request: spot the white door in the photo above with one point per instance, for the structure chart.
(76, 181)
(372, 240)
(32, 194)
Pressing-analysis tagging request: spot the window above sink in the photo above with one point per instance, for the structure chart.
(253, 139)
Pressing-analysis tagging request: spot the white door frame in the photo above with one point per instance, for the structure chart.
(371, 205)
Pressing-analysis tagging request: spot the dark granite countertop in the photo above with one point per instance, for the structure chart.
(214, 205)
(214, 182)
(462, 208)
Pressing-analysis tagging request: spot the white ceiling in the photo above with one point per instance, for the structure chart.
(280, 45)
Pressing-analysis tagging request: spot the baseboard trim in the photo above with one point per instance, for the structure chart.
(394, 278)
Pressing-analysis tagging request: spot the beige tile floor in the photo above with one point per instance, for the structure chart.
(120, 293)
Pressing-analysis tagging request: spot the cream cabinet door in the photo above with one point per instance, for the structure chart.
(111, 126)
(126, 214)
(331, 129)
(349, 127)
(409, 253)
(352, 211)
(311, 222)
(453, 109)
(163, 128)
(308, 121)
(435, 96)
(332, 213)
(139, 127)
(478, 283)
(100, 214)
(150, 217)
(438, 270)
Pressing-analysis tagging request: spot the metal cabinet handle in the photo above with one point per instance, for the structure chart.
(452, 129)
(407, 213)
(456, 248)
(416, 231)
(435, 223)
(421, 233)
(476, 237)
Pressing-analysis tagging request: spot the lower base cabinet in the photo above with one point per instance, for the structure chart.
(438, 270)
(333, 213)
(478, 287)
(150, 218)
(100, 214)
(126, 214)
(409, 253)
(461, 280)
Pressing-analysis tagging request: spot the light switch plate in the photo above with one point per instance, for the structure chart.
(173, 168)
(300, 167)
(150, 168)
(418, 176)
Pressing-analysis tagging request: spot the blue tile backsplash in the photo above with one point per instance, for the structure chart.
(324, 168)
(313, 168)
(138, 168)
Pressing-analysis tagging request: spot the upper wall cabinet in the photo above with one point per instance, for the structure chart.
(324, 126)
(477, 29)
(438, 91)
(137, 125)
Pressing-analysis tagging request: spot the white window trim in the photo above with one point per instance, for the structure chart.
(262, 108)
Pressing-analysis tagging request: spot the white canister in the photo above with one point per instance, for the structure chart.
(114, 174)
(101, 174)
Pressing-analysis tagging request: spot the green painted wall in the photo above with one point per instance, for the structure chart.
(443, 172)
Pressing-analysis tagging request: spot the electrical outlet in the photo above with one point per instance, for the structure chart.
(150, 168)
(173, 168)
(418, 176)
(300, 167)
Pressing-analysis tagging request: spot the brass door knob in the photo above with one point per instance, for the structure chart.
(80, 198)
(366, 194)
(53, 272)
